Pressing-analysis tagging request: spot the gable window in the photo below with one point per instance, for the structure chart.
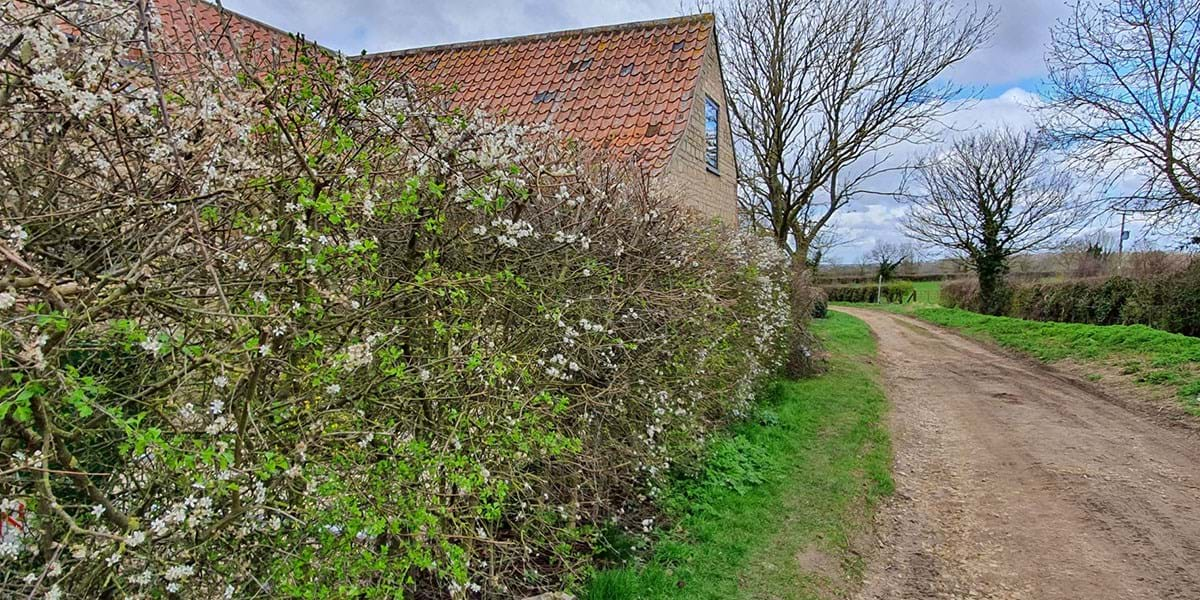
(712, 116)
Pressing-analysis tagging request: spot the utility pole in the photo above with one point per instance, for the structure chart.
(1121, 240)
(1121, 244)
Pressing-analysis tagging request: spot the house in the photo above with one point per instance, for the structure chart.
(651, 92)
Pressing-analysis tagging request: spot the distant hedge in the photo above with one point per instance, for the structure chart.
(896, 291)
(870, 279)
(1170, 302)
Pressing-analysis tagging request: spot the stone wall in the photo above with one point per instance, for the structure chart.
(686, 173)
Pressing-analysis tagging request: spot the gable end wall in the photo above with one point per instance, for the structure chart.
(686, 174)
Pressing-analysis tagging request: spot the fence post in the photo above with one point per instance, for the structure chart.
(879, 291)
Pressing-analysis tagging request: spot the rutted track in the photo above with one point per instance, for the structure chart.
(1016, 482)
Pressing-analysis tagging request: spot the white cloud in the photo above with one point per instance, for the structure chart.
(877, 217)
(1015, 108)
(1018, 46)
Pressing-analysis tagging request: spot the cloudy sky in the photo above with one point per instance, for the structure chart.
(1007, 74)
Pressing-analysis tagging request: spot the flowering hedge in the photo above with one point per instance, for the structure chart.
(304, 333)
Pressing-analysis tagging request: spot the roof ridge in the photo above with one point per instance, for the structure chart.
(705, 17)
(296, 35)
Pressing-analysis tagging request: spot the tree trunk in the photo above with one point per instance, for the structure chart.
(993, 293)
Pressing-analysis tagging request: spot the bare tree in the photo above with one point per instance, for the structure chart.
(821, 92)
(1087, 255)
(1125, 79)
(990, 196)
(824, 243)
(887, 257)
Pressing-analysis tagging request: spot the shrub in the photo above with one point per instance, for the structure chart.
(808, 299)
(1167, 302)
(896, 292)
(363, 345)
(850, 293)
(821, 307)
(1098, 301)
(960, 293)
(807, 302)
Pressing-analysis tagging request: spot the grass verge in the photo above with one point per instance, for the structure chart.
(775, 510)
(1140, 354)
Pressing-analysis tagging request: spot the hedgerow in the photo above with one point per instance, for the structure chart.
(303, 332)
(960, 293)
(895, 291)
(1163, 301)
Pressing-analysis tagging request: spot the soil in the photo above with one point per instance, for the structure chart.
(1016, 481)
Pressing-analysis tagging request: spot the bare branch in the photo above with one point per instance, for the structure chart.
(818, 90)
(1125, 79)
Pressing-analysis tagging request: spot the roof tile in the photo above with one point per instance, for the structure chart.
(632, 97)
(603, 103)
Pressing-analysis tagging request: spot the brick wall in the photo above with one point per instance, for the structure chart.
(686, 174)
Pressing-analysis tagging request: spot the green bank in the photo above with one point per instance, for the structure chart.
(778, 506)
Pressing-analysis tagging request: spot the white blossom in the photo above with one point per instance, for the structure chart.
(151, 344)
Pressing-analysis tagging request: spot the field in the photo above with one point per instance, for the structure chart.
(928, 291)
(1152, 359)
(778, 507)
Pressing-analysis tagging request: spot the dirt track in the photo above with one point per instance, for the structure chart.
(1016, 482)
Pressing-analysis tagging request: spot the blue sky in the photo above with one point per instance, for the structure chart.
(1007, 74)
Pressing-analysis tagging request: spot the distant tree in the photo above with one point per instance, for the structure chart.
(988, 197)
(822, 244)
(821, 91)
(886, 257)
(1087, 256)
(1125, 80)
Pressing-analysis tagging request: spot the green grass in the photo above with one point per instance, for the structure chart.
(776, 508)
(928, 291)
(1145, 355)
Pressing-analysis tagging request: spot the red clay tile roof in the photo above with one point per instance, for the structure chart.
(627, 87)
(183, 20)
